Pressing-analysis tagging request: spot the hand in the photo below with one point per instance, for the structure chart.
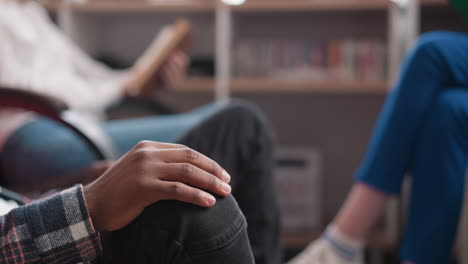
(174, 70)
(148, 173)
(93, 172)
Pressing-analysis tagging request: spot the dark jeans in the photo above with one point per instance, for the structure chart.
(236, 135)
(175, 232)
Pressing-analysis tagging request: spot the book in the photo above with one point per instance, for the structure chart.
(170, 38)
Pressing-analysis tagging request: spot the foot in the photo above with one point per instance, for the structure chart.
(325, 251)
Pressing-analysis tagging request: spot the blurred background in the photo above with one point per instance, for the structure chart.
(320, 70)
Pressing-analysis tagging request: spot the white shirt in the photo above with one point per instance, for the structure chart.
(35, 55)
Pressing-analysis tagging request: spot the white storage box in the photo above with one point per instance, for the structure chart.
(298, 177)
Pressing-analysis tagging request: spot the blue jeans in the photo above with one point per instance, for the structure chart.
(236, 135)
(32, 147)
(423, 129)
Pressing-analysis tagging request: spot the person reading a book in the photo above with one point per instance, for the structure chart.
(35, 55)
(423, 130)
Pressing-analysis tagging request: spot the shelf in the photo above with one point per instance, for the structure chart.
(286, 86)
(209, 5)
(127, 6)
(271, 85)
(196, 84)
(321, 5)
(310, 5)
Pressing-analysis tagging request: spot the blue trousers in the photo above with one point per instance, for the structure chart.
(423, 130)
(32, 147)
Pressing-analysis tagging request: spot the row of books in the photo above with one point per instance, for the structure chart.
(339, 59)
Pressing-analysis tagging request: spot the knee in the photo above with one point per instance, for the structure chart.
(176, 228)
(248, 118)
(450, 111)
(433, 43)
(224, 221)
(43, 151)
(193, 226)
(435, 39)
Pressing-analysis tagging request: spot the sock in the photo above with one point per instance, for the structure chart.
(343, 245)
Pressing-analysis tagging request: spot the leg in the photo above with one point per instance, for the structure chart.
(179, 233)
(437, 62)
(28, 153)
(165, 128)
(235, 135)
(238, 138)
(438, 171)
(42, 151)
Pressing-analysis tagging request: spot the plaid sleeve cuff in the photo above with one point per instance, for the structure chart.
(61, 228)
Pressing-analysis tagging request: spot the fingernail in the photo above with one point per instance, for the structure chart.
(210, 199)
(226, 176)
(226, 188)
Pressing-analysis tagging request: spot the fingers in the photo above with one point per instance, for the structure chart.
(179, 61)
(175, 69)
(147, 144)
(193, 176)
(171, 76)
(184, 193)
(187, 155)
(176, 153)
(181, 58)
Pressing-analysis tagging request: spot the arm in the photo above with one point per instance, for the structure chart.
(54, 230)
(36, 56)
(62, 229)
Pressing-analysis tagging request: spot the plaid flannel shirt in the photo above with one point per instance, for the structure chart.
(54, 230)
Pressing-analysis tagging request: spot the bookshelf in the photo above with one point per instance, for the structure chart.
(225, 17)
(251, 6)
(224, 81)
(210, 6)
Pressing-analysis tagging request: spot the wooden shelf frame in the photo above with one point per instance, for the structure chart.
(308, 5)
(320, 5)
(198, 6)
(163, 6)
(265, 85)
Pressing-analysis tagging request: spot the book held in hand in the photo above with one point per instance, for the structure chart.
(170, 39)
